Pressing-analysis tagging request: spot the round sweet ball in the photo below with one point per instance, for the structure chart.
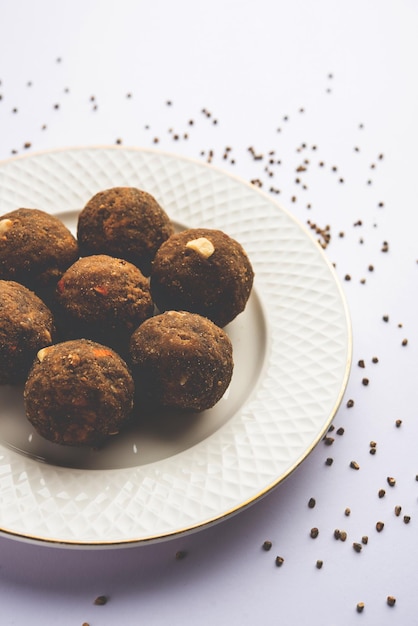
(180, 361)
(103, 298)
(203, 271)
(124, 222)
(78, 393)
(26, 326)
(35, 249)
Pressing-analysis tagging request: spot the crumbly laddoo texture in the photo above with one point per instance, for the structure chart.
(78, 393)
(203, 271)
(26, 326)
(124, 222)
(35, 249)
(180, 360)
(103, 298)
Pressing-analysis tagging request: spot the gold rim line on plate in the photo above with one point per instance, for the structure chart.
(191, 528)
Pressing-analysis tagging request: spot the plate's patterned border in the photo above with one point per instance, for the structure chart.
(305, 372)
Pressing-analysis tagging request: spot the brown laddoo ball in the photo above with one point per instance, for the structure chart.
(103, 298)
(203, 271)
(124, 222)
(78, 393)
(26, 326)
(35, 249)
(181, 361)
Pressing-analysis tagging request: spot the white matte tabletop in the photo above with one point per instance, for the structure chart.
(315, 103)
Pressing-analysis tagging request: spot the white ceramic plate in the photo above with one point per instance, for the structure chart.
(292, 353)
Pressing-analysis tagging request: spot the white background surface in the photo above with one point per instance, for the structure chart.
(339, 81)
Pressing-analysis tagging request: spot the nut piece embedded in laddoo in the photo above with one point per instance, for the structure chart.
(26, 326)
(124, 222)
(181, 361)
(78, 393)
(35, 249)
(103, 298)
(203, 271)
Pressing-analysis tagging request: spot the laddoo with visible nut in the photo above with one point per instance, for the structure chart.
(103, 298)
(124, 222)
(203, 271)
(181, 361)
(26, 326)
(35, 249)
(78, 393)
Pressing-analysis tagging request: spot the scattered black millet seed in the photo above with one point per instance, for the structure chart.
(381, 493)
(365, 540)
(343, 535)
(311, 503)
(331, 428)
(340, 431)
(328, 441)
(375, 359)
(329, 461)
(337, 533)
(406, 519)
(360, 607)
(357, 546)
(372, 451)
(404, 342)
(279, 561)
(398, 423)
(267, 545)
(391, 600)
(361, 363)
(380, 526)
(350, 404)
(385, 247)
(101, 600)
(347, 277)
(314, 533)
(391, 481)
(398, 510)
(347, 512)
(365, 382)
(319, 564)
(354, 465)
(180, 555)
(373, 444)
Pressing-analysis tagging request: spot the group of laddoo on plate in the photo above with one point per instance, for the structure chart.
(127, 313)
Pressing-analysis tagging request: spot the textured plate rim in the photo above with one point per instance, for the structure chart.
(261, 492)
